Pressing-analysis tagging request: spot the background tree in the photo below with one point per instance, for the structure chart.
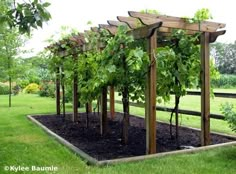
(9, 43)
(225, 57)
(17, 19)
(34, 70)
(24, 16)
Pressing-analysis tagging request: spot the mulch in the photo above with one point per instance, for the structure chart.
(110, 145)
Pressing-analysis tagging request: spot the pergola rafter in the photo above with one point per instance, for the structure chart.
(116, 23)
(176, 22)
(110, 28)
(150, 27)
(131, 22)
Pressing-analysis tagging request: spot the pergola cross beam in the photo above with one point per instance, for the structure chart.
(178, 23)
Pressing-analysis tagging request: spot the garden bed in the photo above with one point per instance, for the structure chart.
(110, 146)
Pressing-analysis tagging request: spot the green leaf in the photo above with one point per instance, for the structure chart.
(3, 19)
(35, 1)
(39, 23)
(46, 4)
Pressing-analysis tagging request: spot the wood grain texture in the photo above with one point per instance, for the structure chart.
(205, 89)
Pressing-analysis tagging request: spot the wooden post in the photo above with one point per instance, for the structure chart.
(75, 92)
(58, 91)
(103, 115)
(112, 102)
(205, 90)
(151, 97)
(63, 91)
(90, 107)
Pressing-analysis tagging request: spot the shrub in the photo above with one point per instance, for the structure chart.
(32, 88)
(225, 81)
(230, 115)
(22, 83)
(47, 90)
(4, 89)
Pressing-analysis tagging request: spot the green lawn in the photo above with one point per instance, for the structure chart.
(191, 103)
(24, 144)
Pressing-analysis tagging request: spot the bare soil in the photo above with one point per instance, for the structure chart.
(110, 145)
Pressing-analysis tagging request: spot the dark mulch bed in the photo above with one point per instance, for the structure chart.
(110, 146)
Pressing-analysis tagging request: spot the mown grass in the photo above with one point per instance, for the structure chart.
(191, 103)
(24, 144)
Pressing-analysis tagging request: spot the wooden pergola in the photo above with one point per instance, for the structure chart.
(151, 27)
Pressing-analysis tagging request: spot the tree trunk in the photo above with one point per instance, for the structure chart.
(9, 67)
(176, 111)
(103, 115)
(75, 91)
(87, 114)
(10, 91)
(125, 100)
(125, 130)
(112, 102)
(177, 120)
(98, 105)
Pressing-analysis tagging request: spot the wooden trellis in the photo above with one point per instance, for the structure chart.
(151, 27)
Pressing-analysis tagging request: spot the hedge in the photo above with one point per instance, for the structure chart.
(225, 81)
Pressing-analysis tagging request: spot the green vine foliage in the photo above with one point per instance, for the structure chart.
(90, 72)
(178, 65)
(84, 60)
(125, 63)
(89, 83)
(64, 55)
(202, 14)
(121, 63)
(199, 16)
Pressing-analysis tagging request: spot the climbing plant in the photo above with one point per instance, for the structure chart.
(91, 79)
(178, 65)
(123, 64)
(63, 62)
